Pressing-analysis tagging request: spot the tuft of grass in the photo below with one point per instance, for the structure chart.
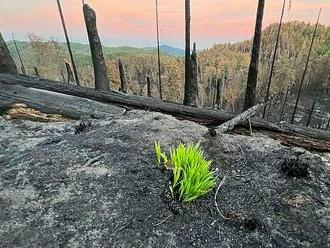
(161, 156)
(192, 176)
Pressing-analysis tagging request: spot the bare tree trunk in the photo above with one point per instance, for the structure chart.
(194, 78)
(36, 71)
(214, 92)
(100, 67)
(19, 55)
(274, 58)
(306, 67)
(188, 87)
(158, 55)
(148, 87)
(250, 93)
(68, 43)
(218, 93)
(284, 103)
(312, 110)
(7, 64)
(63, 77)
(328, 125)
(69, 72)
(123, 86)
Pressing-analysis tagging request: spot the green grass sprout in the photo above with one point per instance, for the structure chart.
(192, 176)
(161, 156)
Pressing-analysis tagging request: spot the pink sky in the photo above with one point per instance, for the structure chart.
(132, 22)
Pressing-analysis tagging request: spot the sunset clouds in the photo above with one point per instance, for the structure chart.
(132, 22)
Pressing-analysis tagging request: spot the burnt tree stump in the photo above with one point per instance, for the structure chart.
(123, 85)
(148, 87)
(100, 68)
(69, 72)
(36, 71)
(194, 77)
(7, 64)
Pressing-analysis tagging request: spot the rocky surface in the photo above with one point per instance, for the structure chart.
(97, 185)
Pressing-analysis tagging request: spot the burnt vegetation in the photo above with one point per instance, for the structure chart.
(271, 93)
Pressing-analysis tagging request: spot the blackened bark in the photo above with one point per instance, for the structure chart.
(69, 72)
(7, 64)
(193, 97)
(36, 71)
(123, 86)
(250, 93)
(218, 93)
(214, 92)
(312, 110)
(148, 87)
(100, 67)
(188, 87)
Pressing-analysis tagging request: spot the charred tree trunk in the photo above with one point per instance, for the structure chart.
(69, 72)
(19, 56)
(274, 58)
(193, 78)
(7, 64)
(36, 71)
(218, 93)
(123, 86)
(215, 89)
(148, 87)
(250, 93)
(68, 43)
(312, 110)
(306, 67)
(158, 55)
(100, 67)
(188, 87)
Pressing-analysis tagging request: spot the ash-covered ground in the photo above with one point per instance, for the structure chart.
(65, 185)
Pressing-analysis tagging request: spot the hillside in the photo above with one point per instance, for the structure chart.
(225, 62)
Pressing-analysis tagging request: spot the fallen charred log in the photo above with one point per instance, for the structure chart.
(203, 116)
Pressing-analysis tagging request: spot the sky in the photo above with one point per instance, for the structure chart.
(132, 22)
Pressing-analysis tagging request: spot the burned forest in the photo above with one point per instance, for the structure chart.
(218, 144)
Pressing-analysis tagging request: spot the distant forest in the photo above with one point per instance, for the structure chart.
(225, 63)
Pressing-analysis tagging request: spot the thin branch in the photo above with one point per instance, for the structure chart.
(216, 195)
(306, 67)
(274, 58)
